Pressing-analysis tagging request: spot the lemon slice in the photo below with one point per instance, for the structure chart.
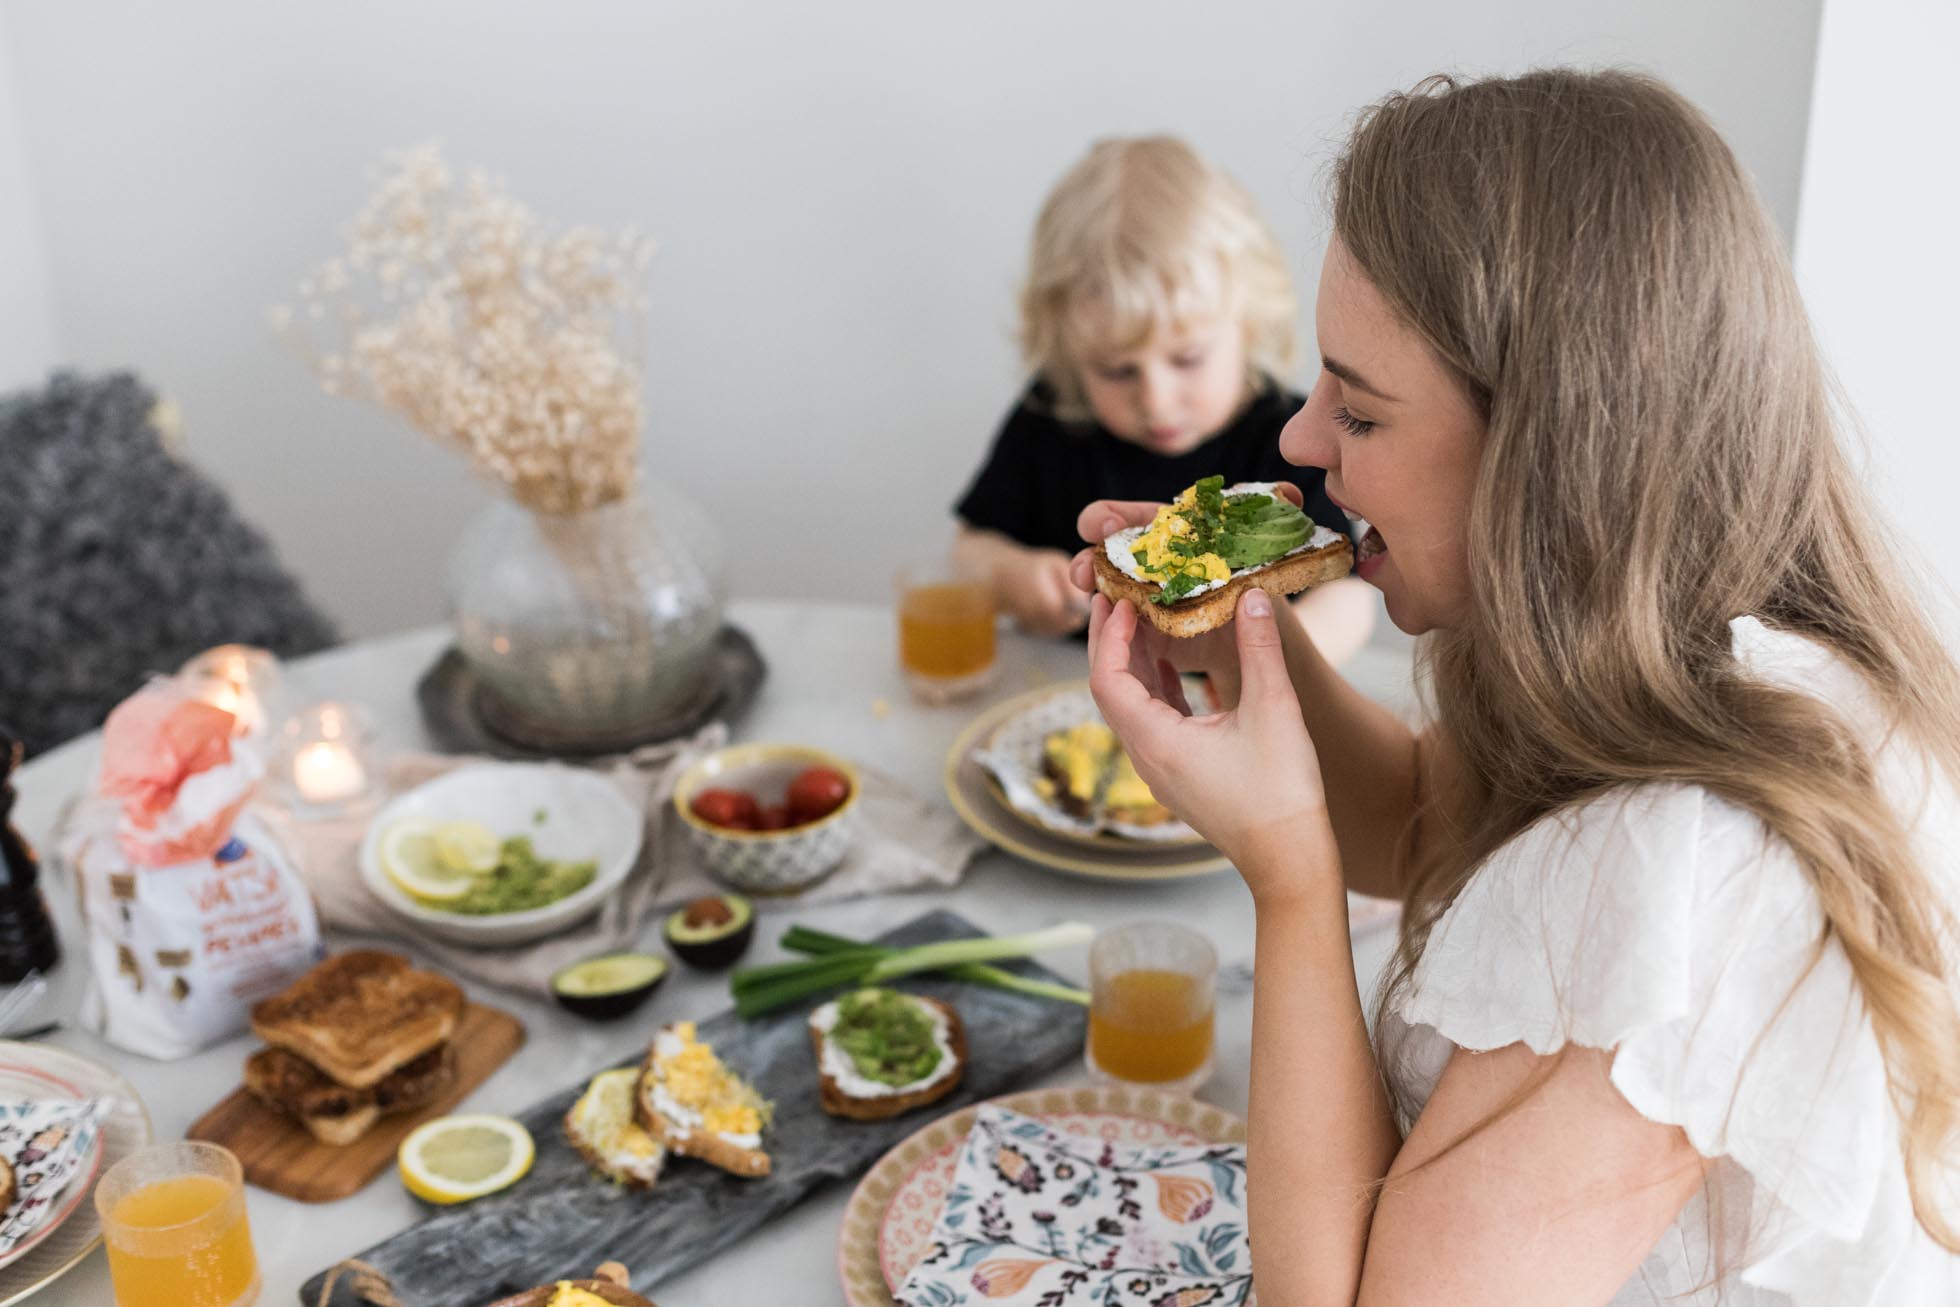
(467, 848)
(453, 1159)
(410, 857)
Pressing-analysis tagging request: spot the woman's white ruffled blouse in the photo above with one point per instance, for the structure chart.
(1667, 924)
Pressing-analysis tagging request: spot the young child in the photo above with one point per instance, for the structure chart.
(1156, 318)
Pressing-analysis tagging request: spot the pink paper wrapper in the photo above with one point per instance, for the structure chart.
(169, 758)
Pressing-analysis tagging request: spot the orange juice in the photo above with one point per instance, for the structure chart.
(1149, 1026)
(946, 630)
(182, 1242)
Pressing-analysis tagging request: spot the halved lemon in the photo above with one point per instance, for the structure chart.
(453, 1159)
(410, 856)
(467, 846)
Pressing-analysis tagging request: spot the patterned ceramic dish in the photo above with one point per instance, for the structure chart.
(123, 1131)
(889, 1219)
(767, 861)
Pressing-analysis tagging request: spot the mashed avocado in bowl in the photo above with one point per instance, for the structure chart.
(521, 880)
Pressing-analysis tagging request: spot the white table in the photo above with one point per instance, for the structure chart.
(832, 682)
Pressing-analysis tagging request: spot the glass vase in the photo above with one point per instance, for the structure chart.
(587, 630)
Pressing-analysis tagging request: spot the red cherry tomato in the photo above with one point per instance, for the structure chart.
(732, 809)
(817, 792)
(774, 816)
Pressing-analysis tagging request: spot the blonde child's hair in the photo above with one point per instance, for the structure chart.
(1143, 233)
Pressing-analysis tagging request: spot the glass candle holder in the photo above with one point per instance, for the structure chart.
(239, 678)
(1152, 999)
(327, 760)
(173, 1217)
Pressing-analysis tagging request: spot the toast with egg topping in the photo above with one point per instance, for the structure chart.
(601, 1128)
(1186, 570)
(608, 1287)
(881, 1053)
(695, 1105)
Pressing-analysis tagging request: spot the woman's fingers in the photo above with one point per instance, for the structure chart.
(1262, 659)
(1104, 518)
(1126, 701)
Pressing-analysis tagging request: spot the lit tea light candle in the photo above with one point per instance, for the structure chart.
(327, 758)
(238, 678)
(327, 772)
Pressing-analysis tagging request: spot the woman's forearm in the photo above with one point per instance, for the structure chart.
(1322, 1135)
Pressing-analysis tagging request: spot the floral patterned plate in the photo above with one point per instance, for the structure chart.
(890, 1217)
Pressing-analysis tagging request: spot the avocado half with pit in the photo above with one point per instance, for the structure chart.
(607, 986)
(712, 932)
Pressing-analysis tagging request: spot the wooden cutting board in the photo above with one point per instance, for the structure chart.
(280, 1157)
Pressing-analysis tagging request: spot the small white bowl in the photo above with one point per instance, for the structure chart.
(584, 817)
(768, 861)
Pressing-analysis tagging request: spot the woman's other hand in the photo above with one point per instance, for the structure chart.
(1248, 779)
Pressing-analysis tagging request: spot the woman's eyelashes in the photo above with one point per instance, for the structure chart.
(1351, 424)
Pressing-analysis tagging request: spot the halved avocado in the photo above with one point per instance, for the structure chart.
(712, 932)
(610, 985)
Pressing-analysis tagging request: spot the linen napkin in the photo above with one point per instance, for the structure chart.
(903, 843)
(1035, 1215)
(48, 1141)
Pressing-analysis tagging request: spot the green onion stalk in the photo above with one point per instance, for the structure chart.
(837, 962)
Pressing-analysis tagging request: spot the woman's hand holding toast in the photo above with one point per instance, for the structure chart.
(1247, 779)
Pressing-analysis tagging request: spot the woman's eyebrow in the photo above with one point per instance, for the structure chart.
(1350, 377)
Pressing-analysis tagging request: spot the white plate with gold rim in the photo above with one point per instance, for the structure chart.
(978, 798)
(888, 1221)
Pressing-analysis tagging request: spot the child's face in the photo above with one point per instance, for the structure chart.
(1174, 391)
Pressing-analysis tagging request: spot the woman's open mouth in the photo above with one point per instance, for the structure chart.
(1369, 553)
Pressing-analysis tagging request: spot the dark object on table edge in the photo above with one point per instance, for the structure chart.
(561, 1217)
(449, 696)
(27, 939)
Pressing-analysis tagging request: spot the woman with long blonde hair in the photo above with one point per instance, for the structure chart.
(1673, 1016)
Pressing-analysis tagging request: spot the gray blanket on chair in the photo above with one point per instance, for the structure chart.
(117, 560)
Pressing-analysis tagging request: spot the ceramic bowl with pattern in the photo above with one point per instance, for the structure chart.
(767, 861)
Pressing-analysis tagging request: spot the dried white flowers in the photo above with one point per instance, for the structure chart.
(457, 308)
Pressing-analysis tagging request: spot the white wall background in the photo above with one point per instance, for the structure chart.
(842, 191)
(29, 343)
(1878, 252)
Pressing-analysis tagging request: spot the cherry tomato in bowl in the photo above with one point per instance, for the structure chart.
(728, 809)
(815, 793)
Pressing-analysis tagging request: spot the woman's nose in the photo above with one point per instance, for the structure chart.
(1304, 442)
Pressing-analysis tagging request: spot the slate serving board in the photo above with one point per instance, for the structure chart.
(561, 1220)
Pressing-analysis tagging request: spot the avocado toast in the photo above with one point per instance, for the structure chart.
(1186, 569)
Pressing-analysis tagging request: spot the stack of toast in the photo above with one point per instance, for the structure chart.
(360, 1036)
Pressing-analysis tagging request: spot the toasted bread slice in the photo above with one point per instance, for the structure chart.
(361, 1014)
(678, 1067)
(602, 1129)
(860, 1103)
(334, 1113)
(1212, 609)
(9, 1184)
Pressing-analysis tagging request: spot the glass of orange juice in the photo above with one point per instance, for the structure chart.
(946, 643)
(1151, 1004)
(173, 1217)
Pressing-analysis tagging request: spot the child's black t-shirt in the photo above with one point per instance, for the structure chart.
(1041, 473)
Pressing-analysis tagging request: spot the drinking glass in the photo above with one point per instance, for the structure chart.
(946, 644)
(1151, 1006)
(173, 1216)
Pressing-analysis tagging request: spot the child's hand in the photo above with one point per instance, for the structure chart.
(1041, 598)
(1248, 780)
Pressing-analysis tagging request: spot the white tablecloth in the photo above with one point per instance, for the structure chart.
(833, 682)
